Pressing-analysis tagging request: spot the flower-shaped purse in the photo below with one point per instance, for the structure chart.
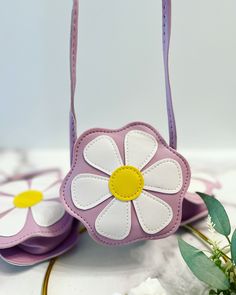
(33, 223)
(127, 184)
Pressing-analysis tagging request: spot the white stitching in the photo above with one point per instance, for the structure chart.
(179, 185)
(149, 156)
(93, 233)
(115, 149)
(39, 232)
(104, 212)
(160, 226)
(45, 230)
(73, 190)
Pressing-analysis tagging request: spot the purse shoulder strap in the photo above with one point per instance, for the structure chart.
(166, 32)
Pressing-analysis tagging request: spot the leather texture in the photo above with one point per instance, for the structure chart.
(94, 187)
(43, 229)
(103, 154)
(41, 249)
(164, 176)
(114, 221)
(156, 213)
(140, 147)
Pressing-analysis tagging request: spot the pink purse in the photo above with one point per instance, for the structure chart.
(127, 184)
(33, 223)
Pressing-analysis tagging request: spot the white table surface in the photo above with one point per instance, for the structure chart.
(91, 269)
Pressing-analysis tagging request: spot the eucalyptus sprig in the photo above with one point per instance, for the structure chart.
(215, 266)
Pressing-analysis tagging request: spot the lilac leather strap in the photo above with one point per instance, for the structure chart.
(166, 17)
(166, 32)
(73, 60)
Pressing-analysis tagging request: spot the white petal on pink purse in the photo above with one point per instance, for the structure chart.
(33, 223)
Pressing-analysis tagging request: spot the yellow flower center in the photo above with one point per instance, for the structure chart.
(126, 183)
(27, 199)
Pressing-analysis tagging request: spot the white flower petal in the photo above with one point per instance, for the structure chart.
(140, 147)
(103, 154)
(6, 203)
(89, 190)
(165, 176)
(13, 222)
(14, 187)
(47, 213)
(42, 182)
(114, 222)
(53, 192)
(153, 213)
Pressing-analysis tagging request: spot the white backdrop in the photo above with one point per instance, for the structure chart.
(120, 69)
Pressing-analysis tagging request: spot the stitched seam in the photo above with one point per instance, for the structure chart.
(170, 114)
(113, 131)
(99, 238)
(90, 203)
(33, 233)
(115, 149)
(73, 132)
(158, 164)
(28, 235)
(143, 221)
(74, 43)
(74, 33)
(104, 212)
(148, 157)
(124, 195)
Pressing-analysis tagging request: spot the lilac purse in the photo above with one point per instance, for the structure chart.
(127, 184)
(33, 224)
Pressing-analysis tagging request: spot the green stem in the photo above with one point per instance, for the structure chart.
(198, 233)
(205, 239)
(228, 239)
(47, 276)
(50, 267)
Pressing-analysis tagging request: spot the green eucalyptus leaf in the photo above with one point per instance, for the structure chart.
(217, 213)
(202, 267)
(233, 247)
